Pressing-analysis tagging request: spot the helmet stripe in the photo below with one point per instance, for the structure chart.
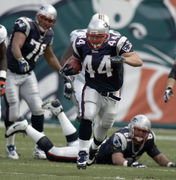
(101, 16)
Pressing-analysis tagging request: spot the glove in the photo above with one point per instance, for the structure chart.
(68, 88)
(171, 164)
(67, 70)
(117, 59)
(168, 92)
(2, 86)
(137, 165)
(54, 106)
(23, 65)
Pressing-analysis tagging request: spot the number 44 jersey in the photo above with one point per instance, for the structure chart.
(100, 73)
(33, 47)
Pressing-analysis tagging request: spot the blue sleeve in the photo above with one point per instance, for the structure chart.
(116, 144)
(153, 151)
(127, 47)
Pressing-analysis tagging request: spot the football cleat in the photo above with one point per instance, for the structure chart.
(92, 155)
(82, 160)
(54, 106)
(11, 152)
(38, 153)
(16, 127)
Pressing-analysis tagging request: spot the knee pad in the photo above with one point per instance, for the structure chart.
(37, 111)
(107, 122)
(45, 144)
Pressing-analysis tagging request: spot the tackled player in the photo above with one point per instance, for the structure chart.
(123, 148)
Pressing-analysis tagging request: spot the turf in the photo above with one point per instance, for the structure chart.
(27, 168)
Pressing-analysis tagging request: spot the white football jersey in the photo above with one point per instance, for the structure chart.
(3, 33)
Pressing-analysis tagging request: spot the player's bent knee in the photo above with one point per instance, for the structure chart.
(38, 111)
(90, 111)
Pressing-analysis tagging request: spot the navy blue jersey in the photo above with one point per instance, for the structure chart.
(34, 45)
(101, 74)
(121, 141)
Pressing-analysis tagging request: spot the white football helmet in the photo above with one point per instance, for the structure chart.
(97, 33)
(101, 16)
(140, 127)
(46, 17)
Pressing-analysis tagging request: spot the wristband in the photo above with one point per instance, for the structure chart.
(125, 163)
(3, 74)
(169, 164)
(20, 59)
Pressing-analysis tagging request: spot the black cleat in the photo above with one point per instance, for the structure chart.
(82, 160)
(92, 155)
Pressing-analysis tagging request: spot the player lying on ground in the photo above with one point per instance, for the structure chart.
(124, 147)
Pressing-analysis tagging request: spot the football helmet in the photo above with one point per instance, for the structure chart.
(46, 17)
(140, 127)
(97, 33)
(101, 16)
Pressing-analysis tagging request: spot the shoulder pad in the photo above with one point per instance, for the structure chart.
(78, 32)
(114, 32)
(3, 33)
(120, 140)
(152, 136)
(23, 23)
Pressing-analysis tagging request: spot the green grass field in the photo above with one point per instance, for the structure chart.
(27, 168)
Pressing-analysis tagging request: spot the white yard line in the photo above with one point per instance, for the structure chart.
(54, 175)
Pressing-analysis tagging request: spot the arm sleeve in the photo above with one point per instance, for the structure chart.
(153, 151)
(124, 45)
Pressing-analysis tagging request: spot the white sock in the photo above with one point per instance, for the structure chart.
(11, 140)
(66, 125)
(34, 134)
(84, 145)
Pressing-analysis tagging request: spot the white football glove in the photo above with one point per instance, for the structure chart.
(53, 105)
(68, 88)
(168, 92)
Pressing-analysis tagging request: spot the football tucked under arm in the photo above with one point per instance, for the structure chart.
(72, 66)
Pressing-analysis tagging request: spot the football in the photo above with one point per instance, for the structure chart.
(75, 65)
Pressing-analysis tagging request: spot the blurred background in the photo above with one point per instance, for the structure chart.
(149, 25)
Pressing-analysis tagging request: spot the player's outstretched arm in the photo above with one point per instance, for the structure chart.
(162, 160)
(118, 159)
(132, 59)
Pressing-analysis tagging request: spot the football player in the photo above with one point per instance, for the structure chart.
(79, 79)
(170, 83)
(123, 148)
(29, 40)
(102, 54)
(3, 61)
